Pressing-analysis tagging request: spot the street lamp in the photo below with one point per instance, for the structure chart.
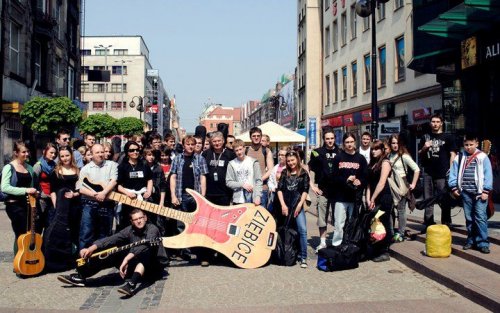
(122, 103)
(142, 103)
(105, 68)
(365, 8)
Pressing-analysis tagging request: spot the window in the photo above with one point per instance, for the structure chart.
(117, 105)
(59, 77)
(335, 86)
(117, 70)
(118, 87)
(327, 5)
(85, 88)
(327, 85)
(344, 83)
(37, 58)
(41, 5)
(71, 83)
(353, 22)
(14, 34)
(327, 42)
(85, 52)
(354, 73)
(98, 106)
(100, 51)
(59, 21)
(366, 23)
(98, 88)
(120, 51)
(343, 28)
(335, 36)
(400, 59)
(398, 4)
(99, 68)
(368, 72)
(85, 70)
(381, 11)
(382, 66)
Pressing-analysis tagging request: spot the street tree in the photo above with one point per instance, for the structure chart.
(129, 126)
(48, 115)
(101, 125)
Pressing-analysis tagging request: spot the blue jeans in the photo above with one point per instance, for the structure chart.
(96, 223)
(264, 197)
(302, 229)
(342, 211)
(476, 220)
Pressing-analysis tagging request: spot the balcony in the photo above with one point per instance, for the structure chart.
(44, 24)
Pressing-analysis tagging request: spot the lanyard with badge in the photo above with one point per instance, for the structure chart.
(218, 162)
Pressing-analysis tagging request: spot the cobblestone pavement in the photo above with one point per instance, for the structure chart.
(377, 287)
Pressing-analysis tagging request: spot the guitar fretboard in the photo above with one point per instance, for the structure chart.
(151, 207)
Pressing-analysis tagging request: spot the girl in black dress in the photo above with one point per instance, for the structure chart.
(378, 197)
(17, 188)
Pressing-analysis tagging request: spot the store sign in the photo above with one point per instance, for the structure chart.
(422, 114)
(492, 51)
(348, 120)
(387, 129)
(152, 109)
(366, 115)
(12, 107)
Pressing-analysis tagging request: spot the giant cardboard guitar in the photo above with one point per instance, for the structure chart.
(244, 233)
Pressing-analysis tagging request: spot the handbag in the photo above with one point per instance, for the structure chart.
(419, 188)
(377, 229)
(338, 258)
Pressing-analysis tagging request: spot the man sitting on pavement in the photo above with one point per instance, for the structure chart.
(140, 261)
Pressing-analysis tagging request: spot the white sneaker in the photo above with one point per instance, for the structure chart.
(303, 264)
(321, 246)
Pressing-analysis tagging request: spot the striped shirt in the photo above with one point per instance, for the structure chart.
(468, 179)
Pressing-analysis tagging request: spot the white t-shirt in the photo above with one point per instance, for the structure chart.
(244, 173)
(366, 153)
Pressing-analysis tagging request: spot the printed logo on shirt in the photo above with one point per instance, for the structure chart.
(349, 165)
(137, 174)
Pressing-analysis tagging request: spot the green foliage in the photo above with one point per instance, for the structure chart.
(48, 115)
(130, 126)
(102, 125)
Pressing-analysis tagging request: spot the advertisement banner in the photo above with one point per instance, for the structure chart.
(312, 132)
(287, 106)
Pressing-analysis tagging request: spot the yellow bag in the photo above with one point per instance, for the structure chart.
(438, 241)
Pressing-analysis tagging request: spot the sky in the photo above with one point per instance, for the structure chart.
(213, 51)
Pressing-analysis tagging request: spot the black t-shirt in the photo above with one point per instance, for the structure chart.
(436, 160)
(217, 168)
(187, 173)
(134, 176)
(321, 163)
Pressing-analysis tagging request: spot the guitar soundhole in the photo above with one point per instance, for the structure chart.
(32, 247)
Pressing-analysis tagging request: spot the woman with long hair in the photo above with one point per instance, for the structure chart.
(275, 176)
(378, 197)
(293, 187)
(43, 169)
(108, 151)
(18, 180)
(401, 163)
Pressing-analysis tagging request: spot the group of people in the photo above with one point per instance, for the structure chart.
(347, 179)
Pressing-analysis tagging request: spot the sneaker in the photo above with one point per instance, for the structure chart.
(321, 246)
(72, 279)
(484, 250)
(205, 263)
(127, 289)
(398, 238)
(303, 264)
(467, 246)
(381, 258)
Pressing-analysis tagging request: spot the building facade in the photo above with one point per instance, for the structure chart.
(131, 80)
(405, 97)
(215, 114)
(39, 56)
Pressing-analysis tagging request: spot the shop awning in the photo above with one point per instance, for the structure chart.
(464, 20)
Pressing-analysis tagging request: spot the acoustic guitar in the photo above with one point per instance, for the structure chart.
(93, 263)
(244, 233)
(29, 260)
(490, 208)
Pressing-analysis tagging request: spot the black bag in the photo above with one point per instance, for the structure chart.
(286, 250)
(418, 191)
(338, 258)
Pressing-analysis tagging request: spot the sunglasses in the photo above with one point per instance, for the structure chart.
(133, 150)
(66, 139)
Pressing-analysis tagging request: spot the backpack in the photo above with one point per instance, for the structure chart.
(338, 258)
(286, 251)
(13, 182)
(264, 152)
